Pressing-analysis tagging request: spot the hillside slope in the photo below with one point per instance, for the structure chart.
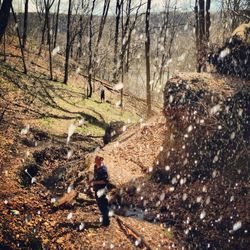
(38, 167)
(198, 184)
(183, 179)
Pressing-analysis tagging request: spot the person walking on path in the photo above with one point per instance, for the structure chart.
(102, 94)
(99, 183)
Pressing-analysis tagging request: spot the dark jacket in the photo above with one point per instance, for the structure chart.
(100, 174)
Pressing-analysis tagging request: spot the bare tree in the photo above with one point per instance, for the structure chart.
(202, 17)
(235, 12)
(79, 52)
(45, 7)
(147, 57)
(25, 22)
(125, 26)
(4, 16)
(90, 65)
(74, 29)
(128, 26)
(19, 39)
(42, 13)
(118, 8)
(102, 22)
(48, 4)
(39, 4)
(207, 22)
(56, 23)
(101, 28)
(67, 43)
(165, 40)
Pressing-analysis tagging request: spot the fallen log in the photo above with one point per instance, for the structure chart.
(133, 235)
(67, 198)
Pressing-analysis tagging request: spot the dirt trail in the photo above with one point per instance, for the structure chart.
(134, 153)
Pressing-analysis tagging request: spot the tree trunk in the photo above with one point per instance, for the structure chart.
(103, 21)
(49, 39)
(25, 22)
(127, 29)
(163, 35)
(4, 47)
(90, 66)
(117, 23)
(202, 35)
(20, 41)
(196, 10)
(208, 22)
(202, 17)
(80, 36)
(4, 16)
(43, 35)
(121, 97)
(56, 25)
(121, 57)
(128, 57)
(66, 67)
(100, 32)
(147, 57)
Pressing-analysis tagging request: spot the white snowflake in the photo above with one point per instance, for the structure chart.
(215, 109)
(25, 130)
(71, 130)
(202, 215)
(118, 86)
(69, 154)
(81, 226)
(224, 53)
(101, 192)
(56, 50)
(237, 226)
(69, 216)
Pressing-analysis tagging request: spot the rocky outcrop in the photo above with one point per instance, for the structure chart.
(211, 120)
(234, 57)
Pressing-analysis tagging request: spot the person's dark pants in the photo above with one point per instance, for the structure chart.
(102, 97)
(102, 203)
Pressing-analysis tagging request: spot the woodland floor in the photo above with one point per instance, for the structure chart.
(38, 223)
(28, 217)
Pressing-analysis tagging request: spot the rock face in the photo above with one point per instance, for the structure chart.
(211, 120)
(234, 57)
(243, 32)
(198, 180)
(208, 149)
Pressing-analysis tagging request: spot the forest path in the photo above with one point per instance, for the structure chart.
(134, 153)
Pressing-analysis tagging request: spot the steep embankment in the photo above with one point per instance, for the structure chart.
(199, 184)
